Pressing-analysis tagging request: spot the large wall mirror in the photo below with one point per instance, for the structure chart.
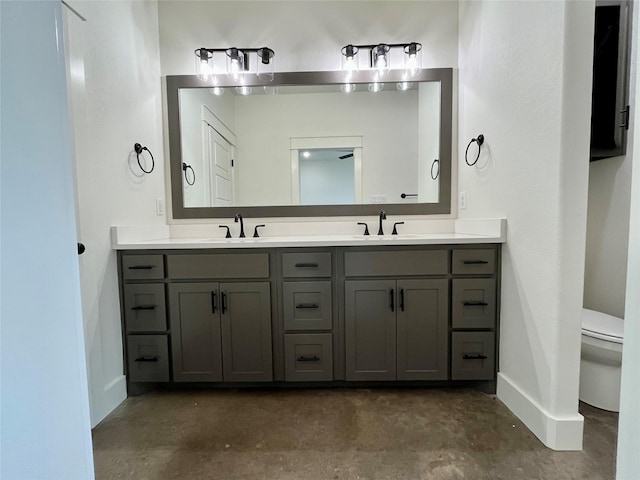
(303, 146)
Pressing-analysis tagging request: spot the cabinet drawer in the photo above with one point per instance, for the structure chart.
(409, 262)
(473, 303)
(219, 265)
(144, 308)
(307, 305)
(308, 358)
(142, 267)
(474, 261)
(472, 355)
(148, 358)
(309, 264)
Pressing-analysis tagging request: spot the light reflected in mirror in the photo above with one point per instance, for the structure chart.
(243, 146)
(248, 149)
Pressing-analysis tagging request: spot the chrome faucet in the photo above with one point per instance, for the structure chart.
(383, 216)
(239, 218)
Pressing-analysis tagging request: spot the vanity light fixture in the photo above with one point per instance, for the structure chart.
(237, 63)
(380, 58)
(217, 91)
(244, 90)
(404, 86)
(347, 87)
(376, 87)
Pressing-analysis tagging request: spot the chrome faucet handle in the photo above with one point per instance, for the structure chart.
(395, 231)
(255, 231)
(228, 235)
(366, 228)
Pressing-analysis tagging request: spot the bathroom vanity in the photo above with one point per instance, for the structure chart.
(342, 310)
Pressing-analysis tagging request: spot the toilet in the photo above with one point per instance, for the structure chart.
(601, 359)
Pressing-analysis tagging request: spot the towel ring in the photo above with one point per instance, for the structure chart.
(186, 167)
(139, 149)
(479, 141)
(437, 174)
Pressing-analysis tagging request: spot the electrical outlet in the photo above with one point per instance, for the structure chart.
(463, 200)
(377, 199)
(159, 206)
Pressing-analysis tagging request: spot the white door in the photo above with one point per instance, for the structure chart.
(218, 161)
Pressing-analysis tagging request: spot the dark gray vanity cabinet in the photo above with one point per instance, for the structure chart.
(145, 318)
(396, 328)
(196, 340)
(220, 331)
(474, 307)
(308, 314)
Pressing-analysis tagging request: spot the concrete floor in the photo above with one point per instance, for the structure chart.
(338, 434)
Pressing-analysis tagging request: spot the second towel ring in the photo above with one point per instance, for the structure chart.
(186, 167)
(479, 141)
(437, 174)
(139, 149)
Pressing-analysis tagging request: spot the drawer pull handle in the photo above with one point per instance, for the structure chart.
(144, 307)
(308, 359)
(146, 359)
(307, 305)
(475, 262)
(307, 265)
(475, 304)
(474, 357)
(141, 267)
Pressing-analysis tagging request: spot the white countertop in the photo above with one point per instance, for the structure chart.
(472, 231)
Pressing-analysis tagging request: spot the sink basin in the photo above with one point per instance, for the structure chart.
(400, 236)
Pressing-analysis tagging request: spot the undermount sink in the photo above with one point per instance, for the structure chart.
(400, 236)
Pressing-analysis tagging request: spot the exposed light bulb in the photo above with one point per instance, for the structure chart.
(348, 87)
(306, 154)
(376, 87)
(235, 68)
(217, 91)
(244, 90)
(404, 86)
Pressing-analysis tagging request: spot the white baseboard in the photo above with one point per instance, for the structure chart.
(114, 393)
(557, 433)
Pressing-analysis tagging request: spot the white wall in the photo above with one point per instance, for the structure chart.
(628, 464)
(120, 105)
(608, 234)
(306, 36)
(525, 83)
(387, 122)
(44, 403)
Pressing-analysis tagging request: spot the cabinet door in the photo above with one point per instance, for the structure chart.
(246, 331)
(195, 332)
(422, 328)
(370, 329)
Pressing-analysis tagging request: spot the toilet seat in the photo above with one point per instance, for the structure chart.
(602, 326)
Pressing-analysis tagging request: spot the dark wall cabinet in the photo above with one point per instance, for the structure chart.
(354, 314)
